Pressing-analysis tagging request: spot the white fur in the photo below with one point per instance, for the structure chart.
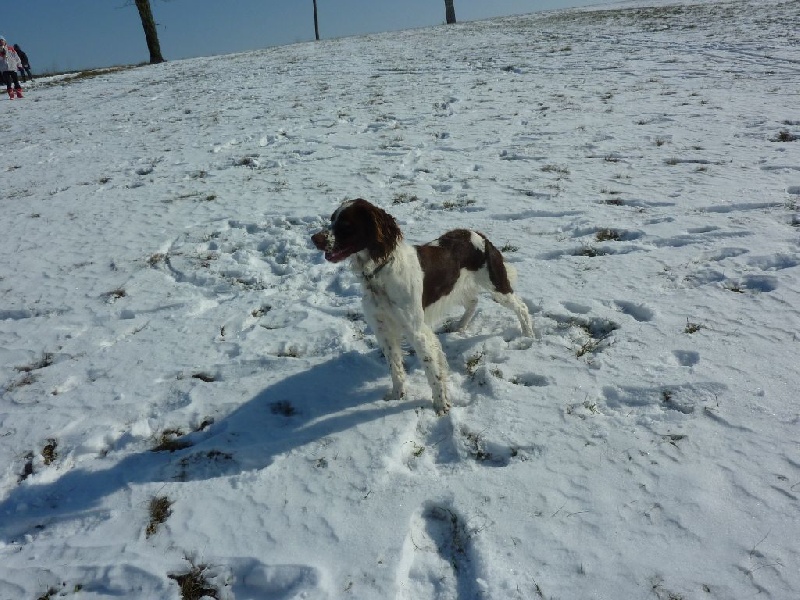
(393, 308)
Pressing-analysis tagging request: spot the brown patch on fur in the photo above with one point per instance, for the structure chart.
(496, 266)
(442, 261)
(355, 226)
(387, 234)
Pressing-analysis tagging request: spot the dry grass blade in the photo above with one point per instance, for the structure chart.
(160, 510)
(194, 585)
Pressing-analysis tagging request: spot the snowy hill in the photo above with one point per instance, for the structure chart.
(190, 395)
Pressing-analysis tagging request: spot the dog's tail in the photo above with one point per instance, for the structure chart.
(511, 272)
(502, 275)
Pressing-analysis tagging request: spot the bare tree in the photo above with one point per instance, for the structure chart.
(449, 12)
(150, 33)
(316, 22)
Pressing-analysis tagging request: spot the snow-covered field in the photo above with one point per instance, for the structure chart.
(168, 332)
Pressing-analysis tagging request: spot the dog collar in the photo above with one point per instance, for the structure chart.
(374, 274)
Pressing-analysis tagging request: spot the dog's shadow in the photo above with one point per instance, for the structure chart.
(307, 406)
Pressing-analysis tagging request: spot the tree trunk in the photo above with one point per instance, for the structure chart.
(150, 33)
(316, 22)
(449, 12)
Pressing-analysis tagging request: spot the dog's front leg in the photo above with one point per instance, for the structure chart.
(429, 350)
(389, 340)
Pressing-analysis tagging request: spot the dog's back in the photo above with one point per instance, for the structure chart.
(456, 267)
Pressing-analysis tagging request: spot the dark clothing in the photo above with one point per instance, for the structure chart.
(10, 77)
(22, 56)
(26, 66)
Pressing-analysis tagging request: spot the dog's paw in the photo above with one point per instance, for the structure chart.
(394, 395)
(441, 406)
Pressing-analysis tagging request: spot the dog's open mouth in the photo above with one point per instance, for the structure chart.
(338, 254)
(322, 240)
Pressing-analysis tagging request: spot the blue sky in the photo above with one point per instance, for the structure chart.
(62, 35)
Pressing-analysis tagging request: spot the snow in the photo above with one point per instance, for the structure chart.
(159, 289)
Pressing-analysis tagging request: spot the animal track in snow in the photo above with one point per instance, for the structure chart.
(23, 313)
(640, 312)
(752, 283)
(253, 579)
(660, 402)
(776, 262)
(686, 358)
(574, 307)
(438, 560)
(490, 454)
(591, 251)
(590, 333)
(243, 255)
(743, 206)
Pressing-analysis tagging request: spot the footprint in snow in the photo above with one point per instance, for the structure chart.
(639, 312)
(438, 559)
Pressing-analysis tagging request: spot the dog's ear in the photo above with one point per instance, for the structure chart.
(385, 234)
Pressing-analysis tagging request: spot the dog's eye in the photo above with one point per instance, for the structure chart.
(344, 229)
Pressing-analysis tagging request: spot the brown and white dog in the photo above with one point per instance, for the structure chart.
(406, 288)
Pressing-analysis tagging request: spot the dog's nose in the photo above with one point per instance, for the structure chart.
(320, 240)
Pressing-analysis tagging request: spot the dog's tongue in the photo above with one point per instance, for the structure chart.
(337, 255)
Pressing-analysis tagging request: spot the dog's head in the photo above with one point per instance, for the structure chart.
(358, 225)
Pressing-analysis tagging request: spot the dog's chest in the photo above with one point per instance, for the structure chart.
(376, 293)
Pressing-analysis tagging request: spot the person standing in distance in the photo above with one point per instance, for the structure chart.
(9, 63)
(25, 68)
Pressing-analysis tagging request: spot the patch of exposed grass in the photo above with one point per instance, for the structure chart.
(476, 447)
(692, 327)
(261, 311)
(203, 376)
(598, 330)
(589, 252)
(735, 288)
(473, 362)
(589, 347)
(50, 593)
(454, 204)
(288, 352)
(557, 169)
(418, 450)
(785, 136)
(193, 584)
(214, 460)
(249, 161)
(27, 379)
(45, 361)
(673, 438)
(49, 453)
(156, 259)
(608, 235)
(76, 77)
(159, 510)
(170, 441)
(115, 294)
(283, 408)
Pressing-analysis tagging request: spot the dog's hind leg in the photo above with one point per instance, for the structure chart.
(429, 350)
(469, 311)
(513, 302)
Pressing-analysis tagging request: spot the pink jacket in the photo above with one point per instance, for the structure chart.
(9, 61)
